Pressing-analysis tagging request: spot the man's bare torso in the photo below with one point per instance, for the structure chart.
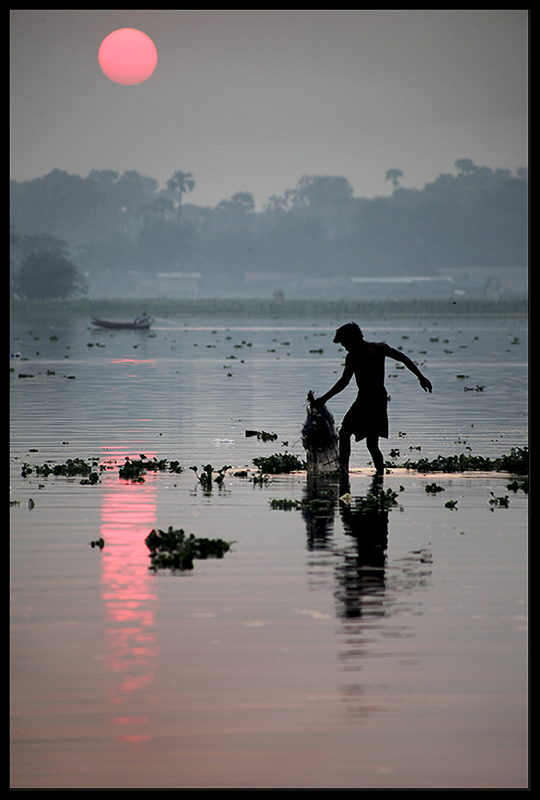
(366, 363)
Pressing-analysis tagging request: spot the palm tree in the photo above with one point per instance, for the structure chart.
(394, 175)
(180, 183)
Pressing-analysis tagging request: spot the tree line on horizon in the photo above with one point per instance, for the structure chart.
(110, 223)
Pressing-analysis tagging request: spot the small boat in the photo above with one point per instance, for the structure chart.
(138, 324)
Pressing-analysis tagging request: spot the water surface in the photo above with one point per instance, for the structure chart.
(323, 651)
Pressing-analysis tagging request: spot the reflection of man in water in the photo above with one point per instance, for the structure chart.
(367, 418)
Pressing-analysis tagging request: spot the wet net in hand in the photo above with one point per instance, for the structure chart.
(319, 438)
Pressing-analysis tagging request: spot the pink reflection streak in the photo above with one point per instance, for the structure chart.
(132, 361)
(128, 514)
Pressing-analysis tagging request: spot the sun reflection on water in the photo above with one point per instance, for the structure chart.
(128, 513)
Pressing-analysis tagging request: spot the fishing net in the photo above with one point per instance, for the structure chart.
(319, 438)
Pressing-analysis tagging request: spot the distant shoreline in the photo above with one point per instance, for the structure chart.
(259, 308)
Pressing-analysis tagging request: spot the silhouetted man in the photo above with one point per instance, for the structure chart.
(367, 418)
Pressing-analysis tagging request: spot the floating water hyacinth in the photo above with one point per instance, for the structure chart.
(499, 502)
(432, 488)
(517, 462)
(279, 463)
(263, 436)
(73, 467)
(134, 469)
(175, 550)
(209, 476)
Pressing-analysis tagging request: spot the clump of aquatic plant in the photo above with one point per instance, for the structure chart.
(175, 550)
(263, 436)
(451, 504)
(312, 504)
(279, 463)
(432, 488)
(209, 476)
(316, 504)
(134, 469)
(516, 462)
(377, 500)
(72, 468)
(285, 504)
(498, 502)
(515, 486)
(92, 479)
(260, 479)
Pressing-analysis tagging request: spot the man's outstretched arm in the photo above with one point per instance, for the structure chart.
(397, 355)
(341, 384)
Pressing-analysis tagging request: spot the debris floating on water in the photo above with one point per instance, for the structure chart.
(99, 543)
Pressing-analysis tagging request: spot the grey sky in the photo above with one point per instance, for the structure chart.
(252, 100)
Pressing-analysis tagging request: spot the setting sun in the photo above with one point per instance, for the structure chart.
(127, 56)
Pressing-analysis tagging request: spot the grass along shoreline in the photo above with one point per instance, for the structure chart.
(266, 308)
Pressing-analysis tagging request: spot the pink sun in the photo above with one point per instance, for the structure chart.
(127, 56)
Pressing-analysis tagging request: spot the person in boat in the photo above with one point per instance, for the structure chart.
(142, 319)
(367, 418)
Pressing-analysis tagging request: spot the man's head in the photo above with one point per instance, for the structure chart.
(348, 335)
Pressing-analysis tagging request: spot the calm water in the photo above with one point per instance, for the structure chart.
(321, 652)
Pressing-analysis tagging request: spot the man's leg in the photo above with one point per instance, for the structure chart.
(344, 449)
(372, 443)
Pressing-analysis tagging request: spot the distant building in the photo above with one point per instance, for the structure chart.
(490, 283)
(178, 284)
(401, 287)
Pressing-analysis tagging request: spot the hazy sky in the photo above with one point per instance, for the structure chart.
(252, 100)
